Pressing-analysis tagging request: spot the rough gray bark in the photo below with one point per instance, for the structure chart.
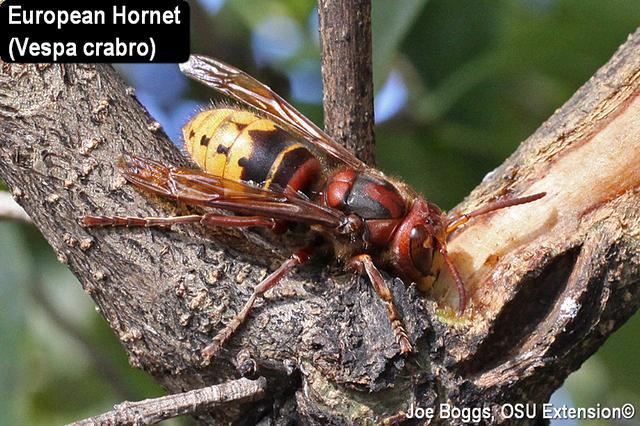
(545, 295)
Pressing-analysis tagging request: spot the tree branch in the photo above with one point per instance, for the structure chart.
(347, 74)
(154, 410)
(551, 282)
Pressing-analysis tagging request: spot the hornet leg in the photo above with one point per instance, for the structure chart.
(208, 219)
(364, 263)
(274, 278)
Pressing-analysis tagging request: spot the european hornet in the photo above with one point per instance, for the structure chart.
(269, 167)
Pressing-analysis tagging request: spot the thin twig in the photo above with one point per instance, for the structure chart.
(153, 410)
(9, 209)
(347, 74)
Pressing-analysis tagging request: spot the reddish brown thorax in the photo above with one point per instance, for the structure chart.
(373, 199)
(407, 234)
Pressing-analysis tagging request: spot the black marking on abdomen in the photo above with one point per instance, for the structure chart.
(290, 163)
(204, 140)
(224, 150)
(265, 147)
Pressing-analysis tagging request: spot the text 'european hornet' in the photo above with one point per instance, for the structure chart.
(270, 168)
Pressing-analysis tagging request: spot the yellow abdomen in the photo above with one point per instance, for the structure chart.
(242, 146)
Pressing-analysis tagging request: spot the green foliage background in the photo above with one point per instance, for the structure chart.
(480, 76)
